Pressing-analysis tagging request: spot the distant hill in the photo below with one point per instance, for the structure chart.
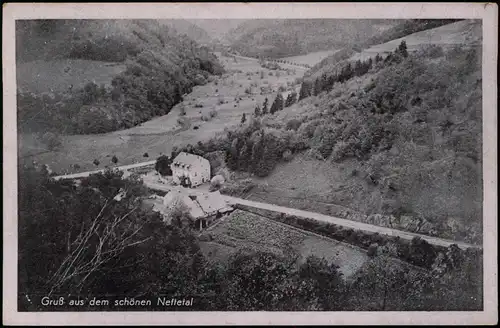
(289, 37)
(149, 67)
(218, 28)
(193, 31)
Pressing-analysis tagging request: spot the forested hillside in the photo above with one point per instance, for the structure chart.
(160, 66)
(412, 122)
(281, 38)
(193, 31)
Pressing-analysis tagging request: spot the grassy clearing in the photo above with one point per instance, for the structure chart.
(311, 58)
(38, 76)
(314, 179)
(242, 230)
(160, 135)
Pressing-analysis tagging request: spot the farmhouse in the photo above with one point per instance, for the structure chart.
(203, 208)
(190, 170)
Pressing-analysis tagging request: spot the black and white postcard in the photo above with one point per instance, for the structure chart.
(250, 163)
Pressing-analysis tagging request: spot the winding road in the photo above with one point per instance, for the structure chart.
(330, 219)
(293, 211)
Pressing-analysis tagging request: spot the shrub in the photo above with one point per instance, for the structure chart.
(145, 155)
(293, 124)
(52, 140)
(198, 106)
(114, 159)
(96, 162)
(287, 155)
(372, 250)
(213, 113)
(162, 165)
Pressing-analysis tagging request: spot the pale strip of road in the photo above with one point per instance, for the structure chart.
(347, 223)
(292, 211)
(331, 219)
(86, 174)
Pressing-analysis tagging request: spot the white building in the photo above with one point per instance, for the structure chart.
(190, 170)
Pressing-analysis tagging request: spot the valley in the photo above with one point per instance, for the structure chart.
(226, 96)
(349, 172)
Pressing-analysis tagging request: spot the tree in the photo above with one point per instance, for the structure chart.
(402, 49)
(291, 99)
(305, 90)
(52, 140)
(253, 281)
(114, 159)
(264, 107)
(162, 165)
(145, 155)
(327, 282)
(257, 111)
(243, 118)
(277, 104)
(318, 87)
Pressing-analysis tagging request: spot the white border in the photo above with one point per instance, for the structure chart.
(487, 12)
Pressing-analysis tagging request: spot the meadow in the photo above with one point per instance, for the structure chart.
(208, 109)
(58, 75)
(311, 58)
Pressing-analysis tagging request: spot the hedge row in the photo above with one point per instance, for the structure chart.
(417, 251)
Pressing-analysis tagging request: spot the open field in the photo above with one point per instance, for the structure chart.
(158, 136)
(242, 230)
(38, 76)
(332, 186)
(311, 58)
(462, 32)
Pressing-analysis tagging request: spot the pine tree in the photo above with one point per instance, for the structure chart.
(358, 70)
(264, 107)
(403, 50)
(291, 99)
(257, 111)
(243, 118)
(324, 82)
(305, 90)
(277, 104)
(317, 87)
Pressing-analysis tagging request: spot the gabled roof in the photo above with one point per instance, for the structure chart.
(187, 159)
(177, 197)
(211, 202)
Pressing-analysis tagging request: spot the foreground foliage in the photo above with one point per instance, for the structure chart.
(118, 249)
